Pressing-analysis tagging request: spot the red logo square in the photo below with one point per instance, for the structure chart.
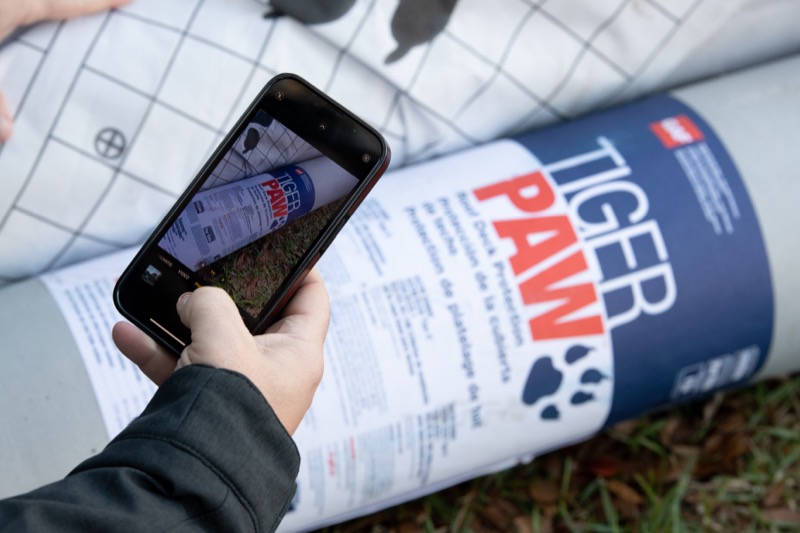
(676, 131)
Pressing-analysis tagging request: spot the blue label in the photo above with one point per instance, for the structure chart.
(684, 277)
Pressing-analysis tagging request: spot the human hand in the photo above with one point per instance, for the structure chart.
(285, 363)
(6, 119)
(14, 13)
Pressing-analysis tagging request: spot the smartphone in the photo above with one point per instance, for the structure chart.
(260, 212)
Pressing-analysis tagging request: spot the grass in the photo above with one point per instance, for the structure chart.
(252, 274)
(729, 464)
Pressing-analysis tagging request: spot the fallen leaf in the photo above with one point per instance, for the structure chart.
(712, 444)
(408, 527)
(250, 290)
(735, 446)
(688, 452)
(624, 492)
(522, 524)
(627, 510)
(544, 491)
(677, 468)
(734, 422)
(737, 485)
(774, 496)
(670, 429)
(499, 514)
(782, 515)
(626, 427)
(720, 453)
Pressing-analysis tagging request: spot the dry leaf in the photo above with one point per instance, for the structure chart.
(250, 290)
(544, 491)
(774, 496)
(522, 524)
(626, 427)
(736, 484)
(712, 444)
(677, 469)
(734, 422)
(720, 453)
(783, 515)
(408, 527)
(734, 446)
(670, 429)
(500, 514)
(624, 492)
(688, 452)
(627, 511)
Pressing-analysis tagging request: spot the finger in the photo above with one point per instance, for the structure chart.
(214, 321)
(6, 119)
(156, 363)
(308, 312)
(62, 9)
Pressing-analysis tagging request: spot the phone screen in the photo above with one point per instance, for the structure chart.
(254, 215)
(251, 219)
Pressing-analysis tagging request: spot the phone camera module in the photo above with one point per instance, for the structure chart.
(366, 158)
(279, 96)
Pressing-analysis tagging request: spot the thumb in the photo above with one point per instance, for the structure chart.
(219, 336)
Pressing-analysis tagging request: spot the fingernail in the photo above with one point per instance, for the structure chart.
(6, 127)
(183, 300)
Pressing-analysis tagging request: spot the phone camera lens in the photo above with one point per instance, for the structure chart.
(321, 127)
(279, 96)
(366, 158)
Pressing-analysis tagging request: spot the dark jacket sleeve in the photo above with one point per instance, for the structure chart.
(208, 453)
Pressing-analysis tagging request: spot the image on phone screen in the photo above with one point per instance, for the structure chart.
(253, 217)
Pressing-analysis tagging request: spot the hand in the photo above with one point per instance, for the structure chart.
(285, 363)
(6, 119)
(15, 13)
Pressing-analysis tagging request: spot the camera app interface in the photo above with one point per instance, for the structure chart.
(253, 218)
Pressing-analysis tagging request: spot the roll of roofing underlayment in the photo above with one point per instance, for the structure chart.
(578, 275)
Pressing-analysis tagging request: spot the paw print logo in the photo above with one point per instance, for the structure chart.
(414, 22)
(545, 382)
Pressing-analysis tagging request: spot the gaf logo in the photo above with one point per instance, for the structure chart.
(676, 131)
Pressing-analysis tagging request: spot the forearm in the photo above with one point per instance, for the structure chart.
(207, 452)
